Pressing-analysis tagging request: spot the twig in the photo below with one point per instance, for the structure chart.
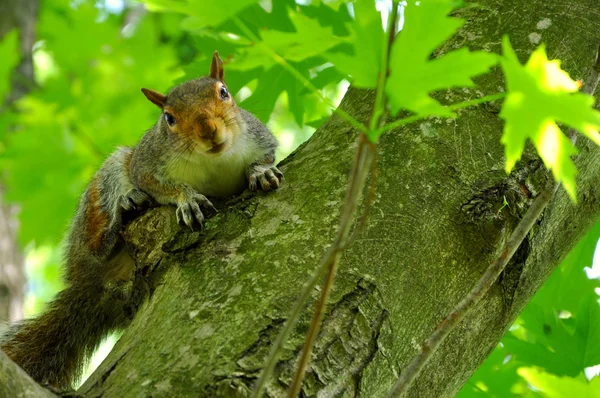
(491, 274)
(324, 265)
(364, 158)
(454, 107)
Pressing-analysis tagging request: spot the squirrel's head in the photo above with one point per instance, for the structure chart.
(200, 113)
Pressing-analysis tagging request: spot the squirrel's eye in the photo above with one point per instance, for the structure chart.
(224, 93)
(170, 119)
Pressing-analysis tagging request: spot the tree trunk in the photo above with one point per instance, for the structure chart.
(219, 298)
(21, 15)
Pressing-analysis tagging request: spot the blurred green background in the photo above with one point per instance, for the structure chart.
(92, 57)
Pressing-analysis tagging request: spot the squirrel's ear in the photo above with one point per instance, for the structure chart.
(155, 97)
(216, 67)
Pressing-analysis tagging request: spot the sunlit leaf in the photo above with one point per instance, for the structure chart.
(539, 95)
(551, 386)
(310, 39)
(497, 376)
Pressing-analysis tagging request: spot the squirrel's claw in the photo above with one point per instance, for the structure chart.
(135, 199)
(188, 212)
(268, 179)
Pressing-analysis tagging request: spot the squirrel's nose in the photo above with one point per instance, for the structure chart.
(209, 129)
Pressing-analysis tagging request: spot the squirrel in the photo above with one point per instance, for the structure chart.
(203, 144)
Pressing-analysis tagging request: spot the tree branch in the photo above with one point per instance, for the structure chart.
(428, 348)
(14, 382)
(362, 164)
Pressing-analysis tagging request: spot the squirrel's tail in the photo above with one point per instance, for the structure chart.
(54, 347)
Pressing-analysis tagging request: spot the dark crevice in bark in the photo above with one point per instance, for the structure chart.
(346, 345)
(97, 386)
(510, 277)
(511, 197)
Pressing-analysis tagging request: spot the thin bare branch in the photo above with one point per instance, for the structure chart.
(363, 160)
(454, 107)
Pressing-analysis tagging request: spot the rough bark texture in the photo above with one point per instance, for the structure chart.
(21, 15)
(219, 298)
(14, 382)
(434, 228)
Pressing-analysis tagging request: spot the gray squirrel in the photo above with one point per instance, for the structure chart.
(203, 144)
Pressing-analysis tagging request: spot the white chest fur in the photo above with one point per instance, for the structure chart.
(217, 175)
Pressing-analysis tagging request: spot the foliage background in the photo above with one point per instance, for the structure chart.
(91, 58)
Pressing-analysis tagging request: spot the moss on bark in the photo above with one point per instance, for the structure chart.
(219, 298)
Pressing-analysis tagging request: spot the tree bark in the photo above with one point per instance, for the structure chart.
(219, 298)
(14, 382)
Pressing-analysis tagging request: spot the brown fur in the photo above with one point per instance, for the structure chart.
(216, 67)
(96, 219)
(203, 122)
(177, 165)
(128, 164)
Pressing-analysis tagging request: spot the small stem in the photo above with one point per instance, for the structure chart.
(380, 98)
(493, 271)
(313, 330)
(341, 113)
(413, 369)
(460, 105)
(364, 157)
(289, 324)
(324, 263)
(374, 172)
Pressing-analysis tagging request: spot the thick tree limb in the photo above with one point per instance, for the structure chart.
(491, 274)
(434, 225)
(14, 382)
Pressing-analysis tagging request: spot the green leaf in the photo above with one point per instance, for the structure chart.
(367, 38)
(262, 101)
(569, 284)
(497, 375)
(9, 54)
(309, 40)
(559, 387)
(413, 76)
(540, 94)
(201, 13)
(559, 330)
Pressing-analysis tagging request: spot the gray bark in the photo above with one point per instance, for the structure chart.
(14, 382)
(218, 299)
(21, 15)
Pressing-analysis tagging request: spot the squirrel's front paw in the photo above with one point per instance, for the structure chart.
(135, 199)
(188, 211)
(269, 178)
